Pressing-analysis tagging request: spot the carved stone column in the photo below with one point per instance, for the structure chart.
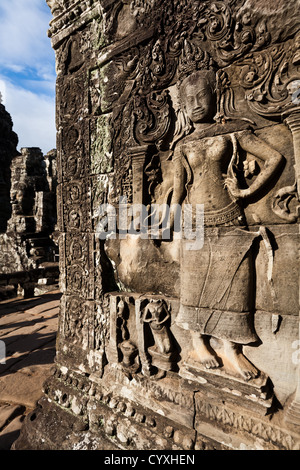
(138, 157)
(292, 120)
(112, 350)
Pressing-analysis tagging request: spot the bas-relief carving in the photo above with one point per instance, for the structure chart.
(224, 196)
(140, 336)
(220, 156)
(157, 315)
(186, 139)
(221, 294)
(83, 333)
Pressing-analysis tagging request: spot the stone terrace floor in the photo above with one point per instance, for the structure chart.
(28, 329)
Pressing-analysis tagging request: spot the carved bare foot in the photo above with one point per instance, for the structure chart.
(240, 363)
(201, 352)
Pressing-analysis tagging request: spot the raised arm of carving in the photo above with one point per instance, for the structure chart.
(260, 149)
(166, 317)
(145, 317)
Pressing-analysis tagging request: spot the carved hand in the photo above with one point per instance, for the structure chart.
(232, 185)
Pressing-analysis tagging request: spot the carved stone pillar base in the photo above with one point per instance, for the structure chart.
(162, 361)
(257, 393)
(81, 413)
(51, 428)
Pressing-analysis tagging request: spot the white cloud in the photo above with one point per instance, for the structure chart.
(27, 80)
(23, 33)
(2, 91)
(33, 117)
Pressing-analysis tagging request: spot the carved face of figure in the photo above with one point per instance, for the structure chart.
(198, 98)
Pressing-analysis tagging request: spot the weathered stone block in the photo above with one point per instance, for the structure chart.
(177, 333)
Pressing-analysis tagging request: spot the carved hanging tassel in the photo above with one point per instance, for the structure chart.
(233, 162)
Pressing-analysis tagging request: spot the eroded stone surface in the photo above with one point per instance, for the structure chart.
(26, 242)
(8, 150)
(165, 343)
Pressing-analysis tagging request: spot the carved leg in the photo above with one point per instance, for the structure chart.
(201, 351)
(162, 344)
(167, 347)
(238, 361)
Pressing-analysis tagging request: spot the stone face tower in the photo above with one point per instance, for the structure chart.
(27, 215)
(182, 335)
(8, 149)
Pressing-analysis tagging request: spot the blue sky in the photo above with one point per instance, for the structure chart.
(27, 71)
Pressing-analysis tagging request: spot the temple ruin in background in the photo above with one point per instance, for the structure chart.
(163, 343)
(28, 258)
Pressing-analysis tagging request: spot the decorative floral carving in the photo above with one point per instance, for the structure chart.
(152, 118)
(163, 147)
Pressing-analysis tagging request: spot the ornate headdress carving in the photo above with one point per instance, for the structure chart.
(193, 59)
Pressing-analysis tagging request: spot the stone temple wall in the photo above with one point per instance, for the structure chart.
(8, 149)
(169, 342)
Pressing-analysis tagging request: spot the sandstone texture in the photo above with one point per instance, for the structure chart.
(178, 166)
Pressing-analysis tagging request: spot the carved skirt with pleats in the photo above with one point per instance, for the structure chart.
(217, 285)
